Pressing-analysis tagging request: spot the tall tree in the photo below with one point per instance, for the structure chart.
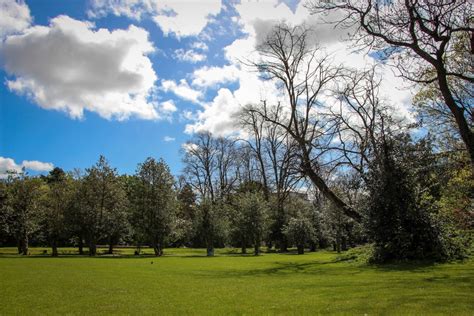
(103, 201)
(24, 208)
(289, 58)
(154, 202)
(251, 219)
(57, 201)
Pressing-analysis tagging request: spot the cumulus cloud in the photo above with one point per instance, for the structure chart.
(189, 55)
(168, 106)
(14, 17)
(181, 18)
(71, 66)
(211, 76)
(9, 165)
(182, 90)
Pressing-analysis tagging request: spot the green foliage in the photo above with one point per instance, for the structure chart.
(398, 224)
(300, 230)
(212, 224)
(153, 203)
(103, 200)
(250, 219)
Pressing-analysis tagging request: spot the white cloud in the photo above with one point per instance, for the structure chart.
(72, 67)
(168, 106)
(181, 89)
(181, 18)
(37, 165)
(211, 76)
(200, 46)
(169, 139)
(8, 164)
(189, 55)
(14, 17)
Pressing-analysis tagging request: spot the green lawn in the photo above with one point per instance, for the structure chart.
(186, 282)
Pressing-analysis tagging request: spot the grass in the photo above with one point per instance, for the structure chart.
(186, 282)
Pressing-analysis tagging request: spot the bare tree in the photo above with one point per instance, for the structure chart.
(420, 36)
(210, 165)
(305, 74)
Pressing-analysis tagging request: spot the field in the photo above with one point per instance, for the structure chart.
(186, 282)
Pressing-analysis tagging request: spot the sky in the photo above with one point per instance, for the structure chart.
(131, 79)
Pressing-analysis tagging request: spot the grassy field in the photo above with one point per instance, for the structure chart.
(186, 282)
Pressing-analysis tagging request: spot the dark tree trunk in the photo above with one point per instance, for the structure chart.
(81, 245)
(244, 249)
(256, 250)
(92, 248)
(312, 246)
(24, 244)
(111, 248)
(300, 248)
(157, 248)
(344, 244)
(465, 131)
(328, 193)
(54, 247)
(210, 251)
(18, 245)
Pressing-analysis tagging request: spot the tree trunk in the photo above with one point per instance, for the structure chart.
(464, 130)
(300, 248)
(256, 251)
(54, 247)
(111, 248)
(24, 244)
(244, 249)
(18, 245)
(328, 193)
(81, 246)
(92, 248)
(312, 246)
(210, 251)
(157, 248)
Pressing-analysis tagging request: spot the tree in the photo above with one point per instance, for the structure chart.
(57, 200)
(251, 219)
(154, 203)
(420, 37)
(277, 165)
(211, 224)
(210, 166)
(24, 208)
(186, 215)
(300, 230)
(103, 199)
(288, 57)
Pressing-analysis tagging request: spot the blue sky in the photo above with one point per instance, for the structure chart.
(129, 79)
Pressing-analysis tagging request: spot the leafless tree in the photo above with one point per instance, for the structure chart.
(305, 74)
(210, 165)
(422, 38)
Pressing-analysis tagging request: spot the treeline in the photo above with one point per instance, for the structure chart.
(151, 208)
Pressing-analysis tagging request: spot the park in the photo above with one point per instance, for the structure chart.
(185, 281)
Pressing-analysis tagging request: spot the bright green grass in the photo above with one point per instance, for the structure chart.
(186, 282)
